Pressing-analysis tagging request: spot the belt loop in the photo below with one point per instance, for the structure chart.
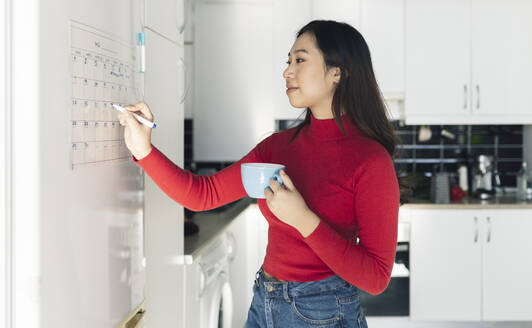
(285, 292)
(257, 276)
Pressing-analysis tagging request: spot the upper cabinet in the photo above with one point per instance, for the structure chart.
(288, 18)
(166, 17)
(232, 78)
(347, 11)
(501, 61)
(438, 70)
(382, 26)
(467, 62)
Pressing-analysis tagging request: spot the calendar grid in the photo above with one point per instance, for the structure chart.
(103, 70)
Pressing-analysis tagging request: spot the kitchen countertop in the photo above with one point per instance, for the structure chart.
(213, 222)
(211, 225)
(506, 201)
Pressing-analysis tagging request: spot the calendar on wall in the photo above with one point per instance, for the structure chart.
(103, 70)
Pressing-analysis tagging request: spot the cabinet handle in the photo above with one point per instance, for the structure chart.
(465, 96)
(182, 27)
(186, 86)
(478, 96)
(476, 229)
(489, 229)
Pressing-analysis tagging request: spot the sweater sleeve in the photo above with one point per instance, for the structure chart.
(200, 192)
(367, 265)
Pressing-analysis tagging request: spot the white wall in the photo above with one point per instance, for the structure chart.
(5, 217)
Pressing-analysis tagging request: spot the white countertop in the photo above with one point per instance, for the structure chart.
(507, 201)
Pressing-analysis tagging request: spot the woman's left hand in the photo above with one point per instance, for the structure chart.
(287, 204)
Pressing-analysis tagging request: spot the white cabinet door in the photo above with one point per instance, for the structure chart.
(233, 78)
(445, 253)
(163, 216)
(382, 25)
(341, 10)
(438, 70)
(250, 238)
(288, 18)
(501, 61)
(166, 17)
(242, 268)
(507, 265)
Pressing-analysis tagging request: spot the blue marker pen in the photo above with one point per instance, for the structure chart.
(141, 41)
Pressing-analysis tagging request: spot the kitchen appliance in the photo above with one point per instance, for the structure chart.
(209, 293)
(440, 188)
(483, 177)
(395, 300)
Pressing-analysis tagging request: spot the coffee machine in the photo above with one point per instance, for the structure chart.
(482, 181)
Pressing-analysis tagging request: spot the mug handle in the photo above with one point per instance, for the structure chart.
(278, 178)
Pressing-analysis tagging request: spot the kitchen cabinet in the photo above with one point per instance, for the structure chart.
(288, 18)
(248, 257)
(166, 17)
(507, 266)
(473, 71)
(233, 78)
(347, 11)
(501, 65)
(382, 26)
(164, 83)
(444, 266)
(470, 265)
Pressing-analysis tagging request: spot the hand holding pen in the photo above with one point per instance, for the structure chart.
(137, 135)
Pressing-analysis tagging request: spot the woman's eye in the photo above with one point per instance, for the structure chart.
(288, 62)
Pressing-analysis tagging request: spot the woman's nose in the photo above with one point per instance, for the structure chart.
(287, 72)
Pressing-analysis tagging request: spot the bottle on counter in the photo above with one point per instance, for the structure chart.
(462, 177)
(522, 181)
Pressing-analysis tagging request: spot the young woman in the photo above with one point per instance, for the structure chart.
(333, 223)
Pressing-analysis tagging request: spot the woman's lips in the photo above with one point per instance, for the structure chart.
(289, 90)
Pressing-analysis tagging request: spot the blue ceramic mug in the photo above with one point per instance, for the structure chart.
(256, 177)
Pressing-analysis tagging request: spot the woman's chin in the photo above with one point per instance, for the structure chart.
(297, 105)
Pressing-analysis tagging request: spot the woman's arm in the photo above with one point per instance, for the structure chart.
(198, 192)
(369, 264)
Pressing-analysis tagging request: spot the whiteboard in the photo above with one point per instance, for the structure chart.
(78, 230)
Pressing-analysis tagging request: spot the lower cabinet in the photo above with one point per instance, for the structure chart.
(250, 238)
(471, 264)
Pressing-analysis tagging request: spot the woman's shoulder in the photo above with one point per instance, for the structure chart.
(367, 151)
(276, 136)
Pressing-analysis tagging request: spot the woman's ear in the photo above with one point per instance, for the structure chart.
(337, 74)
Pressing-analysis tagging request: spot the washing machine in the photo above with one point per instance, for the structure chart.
(209, 299)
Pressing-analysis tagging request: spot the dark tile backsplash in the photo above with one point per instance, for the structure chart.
(440, 153)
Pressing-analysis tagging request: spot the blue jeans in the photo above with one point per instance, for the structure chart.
(327, 303)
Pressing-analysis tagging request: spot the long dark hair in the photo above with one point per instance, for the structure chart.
(357, 92)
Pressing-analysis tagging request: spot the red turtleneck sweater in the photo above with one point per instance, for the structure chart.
(349, 182)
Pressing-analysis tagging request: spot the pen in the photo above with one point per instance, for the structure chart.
(139, 118)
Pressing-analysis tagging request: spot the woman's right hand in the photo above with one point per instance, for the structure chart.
(137, 135)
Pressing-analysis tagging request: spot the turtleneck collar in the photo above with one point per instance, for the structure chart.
(327, 129)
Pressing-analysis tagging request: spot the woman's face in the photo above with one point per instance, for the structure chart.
(306, 72)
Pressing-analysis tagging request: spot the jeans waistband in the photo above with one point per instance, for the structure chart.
(290, 289)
